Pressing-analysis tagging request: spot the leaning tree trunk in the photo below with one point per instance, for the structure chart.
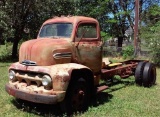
(15, 49)
(17, 38)
(120, 42)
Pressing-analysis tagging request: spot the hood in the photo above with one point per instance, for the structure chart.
(46, 52)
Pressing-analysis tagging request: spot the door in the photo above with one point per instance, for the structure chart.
(88, 46)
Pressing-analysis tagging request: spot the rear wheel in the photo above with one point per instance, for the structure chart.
(77, 97)
(139, 73)
(149, 75)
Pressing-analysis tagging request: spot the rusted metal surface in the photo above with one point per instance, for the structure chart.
(32, 96)
(42, 50)
(29, 79)
(60, 71)
(101, 88)
(89, 54)
(40, 69)
(125, 70)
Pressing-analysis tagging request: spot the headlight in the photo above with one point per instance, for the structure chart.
(46, 81)
(12, 75)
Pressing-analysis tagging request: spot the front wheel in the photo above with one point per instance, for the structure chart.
(77, 97)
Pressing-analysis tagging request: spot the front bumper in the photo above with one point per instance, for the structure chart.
(34, 97)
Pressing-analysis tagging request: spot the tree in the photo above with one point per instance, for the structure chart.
(17, 12)
(150, 31)
(123, 16)
(97, 9)
(5, 28)
(151, 15)
(28, 15)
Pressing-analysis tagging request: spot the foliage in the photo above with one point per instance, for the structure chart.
(150, 31)
(5, 28)
(94, 8)
(151, 36)
(105, 36)
(5, 52)
(128, 52)
(151, 15)
(122, 16)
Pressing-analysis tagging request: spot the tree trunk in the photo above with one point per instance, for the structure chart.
(120, 41)
(14, 49)
(17, 38)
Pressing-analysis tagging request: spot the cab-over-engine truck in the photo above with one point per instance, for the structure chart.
(64, 64)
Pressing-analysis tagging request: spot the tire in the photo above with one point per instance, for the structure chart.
(139, 73)
(149, 75)
(77, 97)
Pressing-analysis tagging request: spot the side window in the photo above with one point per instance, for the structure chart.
(87, 30)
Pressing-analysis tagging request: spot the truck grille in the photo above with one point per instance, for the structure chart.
(29, 78)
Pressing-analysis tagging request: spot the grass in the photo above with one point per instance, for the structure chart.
(122, 99)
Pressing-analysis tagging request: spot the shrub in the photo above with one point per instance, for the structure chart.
(128, 52)
(5, 52)
(151, 36)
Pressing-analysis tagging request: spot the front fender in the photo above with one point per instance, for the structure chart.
(61, 74)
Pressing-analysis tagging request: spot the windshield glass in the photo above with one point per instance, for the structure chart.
(56, 30)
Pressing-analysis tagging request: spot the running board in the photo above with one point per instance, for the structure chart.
(101, 88)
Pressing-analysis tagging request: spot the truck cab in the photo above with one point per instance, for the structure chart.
(65, 40)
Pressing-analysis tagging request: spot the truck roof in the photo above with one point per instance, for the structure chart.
(70, 19)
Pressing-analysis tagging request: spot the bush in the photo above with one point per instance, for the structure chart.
(5, 52)
(151, 36)
(128, 52)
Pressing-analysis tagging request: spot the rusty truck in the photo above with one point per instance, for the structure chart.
(64, 65)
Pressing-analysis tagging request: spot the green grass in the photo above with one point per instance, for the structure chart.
(123, 99)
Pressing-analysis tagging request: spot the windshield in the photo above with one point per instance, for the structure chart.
(56, 30)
